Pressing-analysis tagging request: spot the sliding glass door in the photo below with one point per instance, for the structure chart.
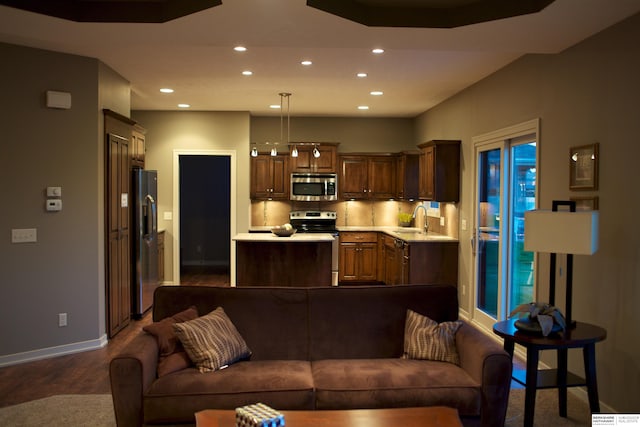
(505, 187)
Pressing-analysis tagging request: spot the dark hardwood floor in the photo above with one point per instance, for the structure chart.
(80, 373)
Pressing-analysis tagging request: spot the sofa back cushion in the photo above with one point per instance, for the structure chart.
(272, 321)
(362, 322)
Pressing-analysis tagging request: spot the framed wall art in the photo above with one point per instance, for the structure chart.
(586, 203)
(583, 167)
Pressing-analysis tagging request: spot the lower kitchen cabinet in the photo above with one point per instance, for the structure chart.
(358, 257)
(418, 262)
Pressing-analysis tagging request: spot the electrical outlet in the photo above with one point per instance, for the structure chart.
(62, 319)
(464, 289)
(442, 221)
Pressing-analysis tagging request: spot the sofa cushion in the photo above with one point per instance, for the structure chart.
(390, 383)
(212, 341)
(427, 339)
(172, 355)
(281, 384)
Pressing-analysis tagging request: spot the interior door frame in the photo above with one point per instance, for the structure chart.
(501, 137)
(232, 154)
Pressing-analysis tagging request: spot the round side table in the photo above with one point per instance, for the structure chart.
(582, 335)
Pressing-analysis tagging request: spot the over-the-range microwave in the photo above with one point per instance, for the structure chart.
(314, 187)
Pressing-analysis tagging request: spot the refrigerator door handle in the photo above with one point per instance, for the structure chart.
(149, 210)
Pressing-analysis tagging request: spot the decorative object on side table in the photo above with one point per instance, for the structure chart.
(258, 415)
(542, 318)
(405, 219)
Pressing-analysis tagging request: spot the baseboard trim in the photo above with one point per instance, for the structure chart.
(46, 353)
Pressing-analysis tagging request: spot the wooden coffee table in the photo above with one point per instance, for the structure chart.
(434, 416)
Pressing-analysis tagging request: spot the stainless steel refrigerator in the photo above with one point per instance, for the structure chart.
(144, 266)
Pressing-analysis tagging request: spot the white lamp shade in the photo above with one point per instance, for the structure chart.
(561, 232)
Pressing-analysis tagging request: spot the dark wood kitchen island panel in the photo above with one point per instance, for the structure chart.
(300, 260)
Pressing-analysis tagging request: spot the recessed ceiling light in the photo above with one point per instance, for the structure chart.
(377, 51)
(274, 106)
(363, 107)
(166, 90)
(184, 105)
(376, 92)
(306, 62)
(247, 73)
(240, 49)
(361, 75)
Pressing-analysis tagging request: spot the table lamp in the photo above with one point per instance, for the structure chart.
(561, 231)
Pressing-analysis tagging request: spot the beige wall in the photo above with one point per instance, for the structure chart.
(202, 132)
(63, 272)
(587, 94)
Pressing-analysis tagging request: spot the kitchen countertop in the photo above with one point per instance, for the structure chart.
(296, 238)
(408, 234)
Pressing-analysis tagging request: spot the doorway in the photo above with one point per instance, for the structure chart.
(204, 217)
(506, 164)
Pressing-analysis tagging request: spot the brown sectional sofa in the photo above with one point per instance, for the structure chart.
(315, 348)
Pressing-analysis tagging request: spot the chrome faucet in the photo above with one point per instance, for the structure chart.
(426, 223)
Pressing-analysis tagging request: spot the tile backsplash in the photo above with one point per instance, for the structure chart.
(356, 213)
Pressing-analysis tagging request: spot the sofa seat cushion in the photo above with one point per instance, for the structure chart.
(176, 397)
(389, 383)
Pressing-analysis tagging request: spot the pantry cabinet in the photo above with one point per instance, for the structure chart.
(269, 177)
(367, 176)
(440, 171)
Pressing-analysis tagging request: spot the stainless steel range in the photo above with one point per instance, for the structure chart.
(319, 222)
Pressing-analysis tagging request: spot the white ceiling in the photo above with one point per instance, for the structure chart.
(194, 55)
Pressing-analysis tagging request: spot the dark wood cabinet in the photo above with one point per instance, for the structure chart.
(440, 171)
(306, 162)
(395, 261)
(270, 177)
(138, 141)
(435, 263)
(408, 176)
(358, 257)
(367, 176)
(118, 183)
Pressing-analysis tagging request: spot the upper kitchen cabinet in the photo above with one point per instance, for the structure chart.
(137, 146)
(270, 177)
(367, 176)
(306, 162)
(408, 175)
(440, 171)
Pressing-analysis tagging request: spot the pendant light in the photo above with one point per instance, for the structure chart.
(254, 150)
(287, 95)
(316, 152)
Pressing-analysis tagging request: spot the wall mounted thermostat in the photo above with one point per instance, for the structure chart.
(54, 205)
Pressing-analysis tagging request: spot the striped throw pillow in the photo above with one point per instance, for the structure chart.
(212, 341)
(427, 339)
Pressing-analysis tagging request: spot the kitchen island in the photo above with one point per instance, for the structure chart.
(264, 259)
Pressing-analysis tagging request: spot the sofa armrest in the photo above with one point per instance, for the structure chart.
(131, 373)
(487, 363)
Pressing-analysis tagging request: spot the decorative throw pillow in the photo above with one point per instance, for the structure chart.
(427, 339)
(172, 355)
(212, 341)
(163, 330)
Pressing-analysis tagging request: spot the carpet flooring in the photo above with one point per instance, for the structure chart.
(96, 410)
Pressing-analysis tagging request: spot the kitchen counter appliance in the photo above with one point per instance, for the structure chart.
(319, 222)
(314, 187)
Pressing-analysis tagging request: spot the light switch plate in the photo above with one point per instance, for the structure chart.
(54, 191)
